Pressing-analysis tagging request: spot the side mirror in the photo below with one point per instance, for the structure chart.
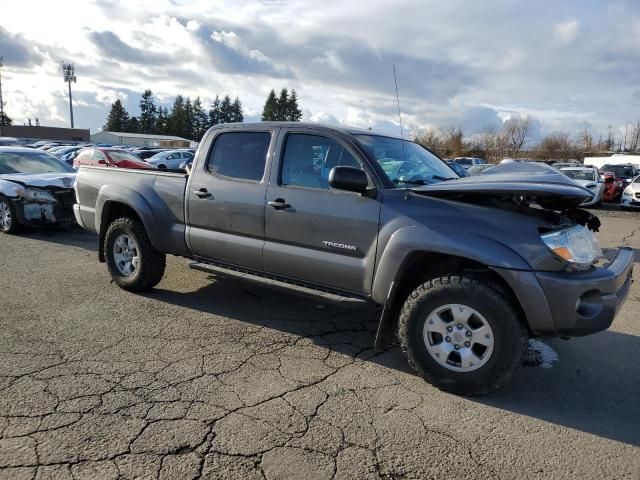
(349, 178)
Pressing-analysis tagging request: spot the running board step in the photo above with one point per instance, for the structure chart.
(277, 283)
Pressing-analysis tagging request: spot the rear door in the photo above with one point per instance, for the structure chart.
(226, 197)
(316, 234)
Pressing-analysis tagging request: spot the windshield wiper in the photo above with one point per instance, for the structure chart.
(438, 177)
(410, 182)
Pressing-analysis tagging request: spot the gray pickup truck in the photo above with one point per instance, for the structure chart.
(465, 270)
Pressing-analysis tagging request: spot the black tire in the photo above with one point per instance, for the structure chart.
(162, 166)
(510, 336)
(14, 226)
(151, 264)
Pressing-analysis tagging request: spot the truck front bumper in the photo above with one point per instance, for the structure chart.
(586, 302)
(572, 304)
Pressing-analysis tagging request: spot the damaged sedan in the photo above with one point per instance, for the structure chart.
(36, 189)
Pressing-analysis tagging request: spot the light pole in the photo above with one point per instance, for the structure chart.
(1, 103)
(69, 76)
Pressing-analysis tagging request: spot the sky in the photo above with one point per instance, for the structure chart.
(570, 64)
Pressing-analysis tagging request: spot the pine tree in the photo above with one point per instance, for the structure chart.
(214, 112)
(236, 111)
(162, 119)
(188, 118)
(118, 118)
(270, 107)
(200, 120)
(177, 121)
(226, 110)
(148, 113)
(282, 105)
(133, 125)
(294, 114)
(5, 120)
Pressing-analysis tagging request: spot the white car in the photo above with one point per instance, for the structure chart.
(468, 162)
(631, 194)
(170, 159)
(588, 177)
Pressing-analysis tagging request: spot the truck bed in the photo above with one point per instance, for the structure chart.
(156, 196)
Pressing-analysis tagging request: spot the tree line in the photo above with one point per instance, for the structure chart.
(513, 139)
(190, 119)
(186, 118)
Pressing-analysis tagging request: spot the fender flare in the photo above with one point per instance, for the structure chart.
(115, 194)
(408, 241)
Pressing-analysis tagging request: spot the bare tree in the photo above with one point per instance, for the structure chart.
(586, 140)
(556, 145)
(517, 131)
(634, 138)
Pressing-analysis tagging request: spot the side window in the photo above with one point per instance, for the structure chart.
(174, 156)
(84, 155)
(240, 155)
(187, 155)
(98, 155)
(308, 159)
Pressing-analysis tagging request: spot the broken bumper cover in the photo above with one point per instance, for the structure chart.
(46, 213)
(587, 302)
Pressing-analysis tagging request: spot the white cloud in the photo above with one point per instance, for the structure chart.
(567, 31)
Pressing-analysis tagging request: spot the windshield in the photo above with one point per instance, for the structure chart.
(412, 164)
(120, 156)
(31, 163)
(588, 175)
(624, 171)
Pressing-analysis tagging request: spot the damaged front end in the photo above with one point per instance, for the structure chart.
(44, 206)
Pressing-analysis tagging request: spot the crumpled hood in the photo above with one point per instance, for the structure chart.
(536, 181)
(42, 180)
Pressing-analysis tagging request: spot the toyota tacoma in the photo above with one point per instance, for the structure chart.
(464, 270)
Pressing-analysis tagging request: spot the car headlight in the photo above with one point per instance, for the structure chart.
(35, 195)
(628, 192)
(576, 245)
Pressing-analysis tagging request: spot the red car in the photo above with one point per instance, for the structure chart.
(108, 157)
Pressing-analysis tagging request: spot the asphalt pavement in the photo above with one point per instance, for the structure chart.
(215, 378)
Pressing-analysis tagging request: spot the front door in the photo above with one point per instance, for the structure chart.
(226, 198)
(314, 233)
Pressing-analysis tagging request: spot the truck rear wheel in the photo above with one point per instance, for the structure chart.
(132, 261)
(462, 335)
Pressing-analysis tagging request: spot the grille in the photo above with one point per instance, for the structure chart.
(65, 198)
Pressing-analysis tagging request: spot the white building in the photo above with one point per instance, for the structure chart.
(140, 139)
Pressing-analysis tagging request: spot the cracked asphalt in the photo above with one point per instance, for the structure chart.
(214, 378)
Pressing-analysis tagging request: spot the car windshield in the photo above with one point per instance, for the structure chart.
(408, 165)
(31, 163)
(580, 174)
(467, 162)
(623, 171)
(120, 156)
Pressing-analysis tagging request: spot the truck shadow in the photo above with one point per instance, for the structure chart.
(594, 387)
(73, 236)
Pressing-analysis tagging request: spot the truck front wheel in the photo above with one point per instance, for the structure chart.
(462, 335)
(132, 261)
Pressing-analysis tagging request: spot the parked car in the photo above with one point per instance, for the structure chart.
(108, 157)
(456, 167)
(465, 270)
(588, 177)
(9, 142)
(479, 169)
(170, 159)
(144, 154)
(631, 194)
(612, 189)
(623, 174)
(35, 189)
(62, 151)
(467, 162)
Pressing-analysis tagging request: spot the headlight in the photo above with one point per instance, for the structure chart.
(628, 192)
(35, 195)
(576, 245)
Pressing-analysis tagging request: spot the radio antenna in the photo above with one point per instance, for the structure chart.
(395, 79)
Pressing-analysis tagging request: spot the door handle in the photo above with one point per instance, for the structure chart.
(202, 193)
(278, 204)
